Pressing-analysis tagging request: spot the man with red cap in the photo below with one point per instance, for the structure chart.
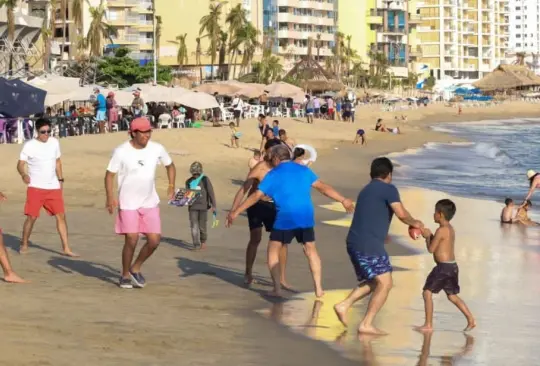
(135, 163)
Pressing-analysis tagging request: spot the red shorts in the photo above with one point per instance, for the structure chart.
(330, 110)
(51, 200)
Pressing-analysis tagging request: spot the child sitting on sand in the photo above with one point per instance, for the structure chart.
(235, 135)
(198, 211)
(380, 127)
(508, 211)
(255, 159)
(522, 215)
(445, 274)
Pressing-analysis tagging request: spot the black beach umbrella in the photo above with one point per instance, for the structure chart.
(19, 99)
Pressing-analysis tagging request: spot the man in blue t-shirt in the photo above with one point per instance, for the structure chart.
(101, 110)
(375, 207)
(289, 185)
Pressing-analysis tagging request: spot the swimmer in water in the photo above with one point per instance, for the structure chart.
(508, 211)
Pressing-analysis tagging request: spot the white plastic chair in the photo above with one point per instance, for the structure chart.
(164, 121)
(226, 115)
(179, 121)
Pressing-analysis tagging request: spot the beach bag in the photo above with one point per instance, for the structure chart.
(184, 197)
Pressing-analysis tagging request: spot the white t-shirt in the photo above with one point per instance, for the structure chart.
(41, 159)
(136, 169)
(238, 103)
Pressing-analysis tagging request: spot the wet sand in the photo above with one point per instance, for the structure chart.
(195, 310)
(499, 269)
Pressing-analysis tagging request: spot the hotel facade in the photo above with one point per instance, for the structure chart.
(463, 39)
(293, 22)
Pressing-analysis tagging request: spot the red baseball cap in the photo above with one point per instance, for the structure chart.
(140, 124)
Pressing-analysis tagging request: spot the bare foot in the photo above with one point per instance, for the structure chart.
(23, 249)
(287, 287)
(424, 328)
(319, 293)
(363, 329)
(13, 278)
(341, 312)
(69, 253)
(274, 293)
(470, 325)
(203, 246)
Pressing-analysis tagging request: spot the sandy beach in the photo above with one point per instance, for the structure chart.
(195, 310)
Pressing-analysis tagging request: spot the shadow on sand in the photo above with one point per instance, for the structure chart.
(99, 271)
(190, 267)
(13, 242)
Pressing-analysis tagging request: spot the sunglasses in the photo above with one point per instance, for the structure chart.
(45, 132)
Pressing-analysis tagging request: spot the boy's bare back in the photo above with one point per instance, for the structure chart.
(443, 241)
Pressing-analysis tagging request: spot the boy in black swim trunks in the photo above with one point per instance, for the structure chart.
(445, 274)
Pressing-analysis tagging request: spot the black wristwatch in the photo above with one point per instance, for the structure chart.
(61, 180)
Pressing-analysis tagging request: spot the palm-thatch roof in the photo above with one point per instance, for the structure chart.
(508, 77)
(313, 77)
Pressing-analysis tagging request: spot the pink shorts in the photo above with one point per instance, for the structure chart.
(141, 221)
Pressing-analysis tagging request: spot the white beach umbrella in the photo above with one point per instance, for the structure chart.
(197, 100)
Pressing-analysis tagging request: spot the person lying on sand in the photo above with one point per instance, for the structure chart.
(522, 216)
(507, 212)
(380, 127)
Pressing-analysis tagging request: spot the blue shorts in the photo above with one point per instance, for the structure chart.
(360, 132)
(100, 116)
(309, 111)
(368, 267)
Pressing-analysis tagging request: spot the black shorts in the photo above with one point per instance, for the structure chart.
(261, 214)
(304, 235)
(237, 114)
(445, 276)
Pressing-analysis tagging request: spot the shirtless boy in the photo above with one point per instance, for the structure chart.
(445, 274)
(263, 213)
(507, 212)
(286, 139)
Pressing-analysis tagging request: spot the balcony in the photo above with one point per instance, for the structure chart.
(415, 51)
(145, 8)
(126, 39)
(415, 19)
(373, 18)
(304, 51)
(394, 31)
(304, 19)
(129, 19)
(389, 38)
(122, 3)
(392, 5)
(306, 4)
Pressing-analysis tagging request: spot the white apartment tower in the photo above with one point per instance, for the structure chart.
(525, 31)
(463, 39)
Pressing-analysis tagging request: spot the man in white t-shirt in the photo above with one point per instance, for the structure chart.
(44, 179)
(238, 105)
(135, 163)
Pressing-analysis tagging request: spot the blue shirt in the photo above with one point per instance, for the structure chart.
(102, 104)
(289, 185)
(276, 130)
(372, 217)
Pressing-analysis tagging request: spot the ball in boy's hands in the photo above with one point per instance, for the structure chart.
(415, 233)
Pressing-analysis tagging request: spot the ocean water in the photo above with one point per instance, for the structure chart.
(492, 165)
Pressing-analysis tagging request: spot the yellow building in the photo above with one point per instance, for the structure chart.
(183, 16)
(384, 27)
(463, 40)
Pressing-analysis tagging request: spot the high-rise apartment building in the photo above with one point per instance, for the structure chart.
(385, 27)
(524, 26)
(293, 22)
(463, 38)
(181, 17)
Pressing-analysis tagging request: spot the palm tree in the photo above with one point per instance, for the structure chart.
(236, 20)
(63, 13)
(10, 10)
(223, 36)
(77, 14)
(318, 44)
(210, 24)
(249, 37)
(198, 53)
(182, 54)
(98, 30)
(269, 69)
(338, 54)
(159, 23)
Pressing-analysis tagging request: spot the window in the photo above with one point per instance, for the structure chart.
(518, 17)
(518, 44)
(518, 26)
(518, 7)
(518, 35)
